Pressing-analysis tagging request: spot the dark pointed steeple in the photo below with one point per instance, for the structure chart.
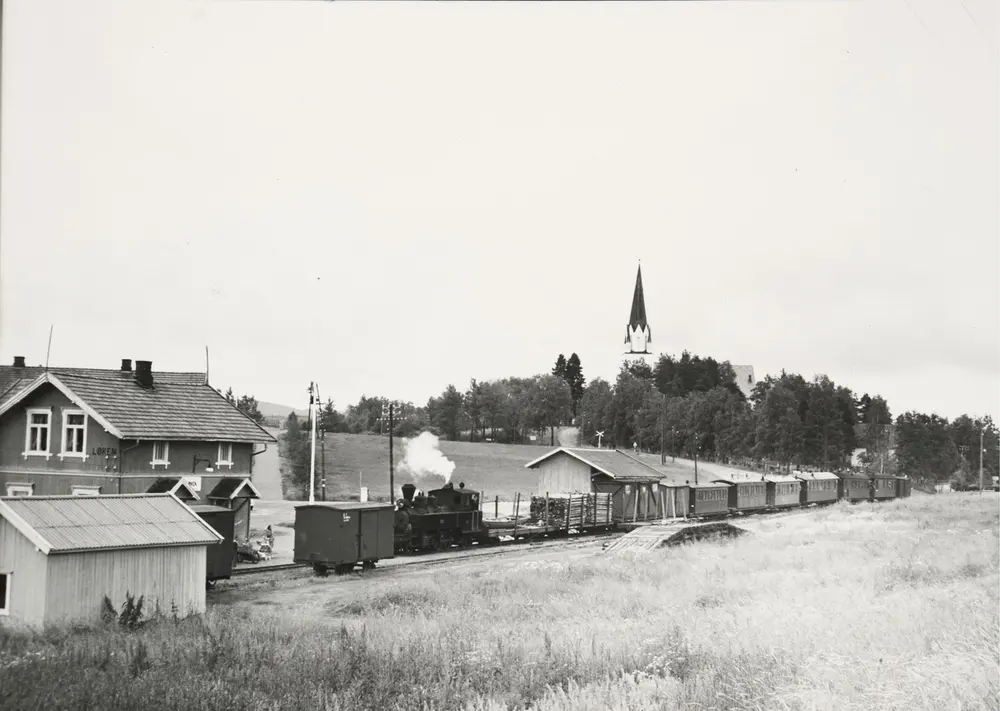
(638, 333)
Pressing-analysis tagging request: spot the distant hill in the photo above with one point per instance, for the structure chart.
(273, 410)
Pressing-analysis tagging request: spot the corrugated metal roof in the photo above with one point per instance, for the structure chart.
(63, 524)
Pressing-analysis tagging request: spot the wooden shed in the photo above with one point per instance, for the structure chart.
(61, 555)
(634, 486)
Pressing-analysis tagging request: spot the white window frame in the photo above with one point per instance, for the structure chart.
(5, 600)
(86, 490)
(47, 453)
(20, 489)
(166, 454)
(65, 429)
(227, 461)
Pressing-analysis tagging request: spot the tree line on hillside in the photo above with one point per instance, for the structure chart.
(693, 407)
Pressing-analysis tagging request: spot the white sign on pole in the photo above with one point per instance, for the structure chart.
(364, 494)
(193, 483)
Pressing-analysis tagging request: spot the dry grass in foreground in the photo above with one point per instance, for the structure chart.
(876, 608)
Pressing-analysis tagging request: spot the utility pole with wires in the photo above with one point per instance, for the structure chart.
(312, 428)
(389, 409)
(981, 450)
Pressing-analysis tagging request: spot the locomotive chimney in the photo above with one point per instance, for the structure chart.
(408, 490)
(18, 361)
(144, 373)
(127, 365)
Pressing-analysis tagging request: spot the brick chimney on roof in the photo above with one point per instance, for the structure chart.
(144, 373)
(127, 364)
(18, 361)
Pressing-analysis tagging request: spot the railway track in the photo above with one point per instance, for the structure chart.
(443, 557)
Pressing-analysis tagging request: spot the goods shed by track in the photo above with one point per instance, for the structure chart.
(61, 555)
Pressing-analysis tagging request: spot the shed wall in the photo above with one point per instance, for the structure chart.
(27, 566)
(563, 474)
(78, 582)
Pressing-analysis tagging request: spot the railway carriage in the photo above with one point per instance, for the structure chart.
(783, 491)
(885, 487)
(854, 487)
(708, 499)
(818, 487)
(745, 494)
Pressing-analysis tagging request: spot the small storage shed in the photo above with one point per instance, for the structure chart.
(818, 487)
(783, 490)
(745, 494)
(220, 556)
(340, 534)
(236, 493)
(61, 555)
(633, 485)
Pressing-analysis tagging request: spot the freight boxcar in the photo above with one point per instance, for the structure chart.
(902, 487)
(708, 499)
(341, 534)
(818, 487)
(783, 491)
(745, 494)
(219, 557)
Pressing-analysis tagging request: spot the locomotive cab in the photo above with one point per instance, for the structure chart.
(450, 498)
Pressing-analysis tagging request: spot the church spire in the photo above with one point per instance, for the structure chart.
(637, 333)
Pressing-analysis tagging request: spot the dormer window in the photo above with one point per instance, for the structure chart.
(37, 434)
(74, 434)
(225, 457)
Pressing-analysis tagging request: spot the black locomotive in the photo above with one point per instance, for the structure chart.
(438, 519)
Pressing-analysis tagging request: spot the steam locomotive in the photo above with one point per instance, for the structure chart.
(438, 519)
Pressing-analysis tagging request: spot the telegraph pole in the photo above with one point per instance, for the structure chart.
(696, 458)
(663, 432)
(980, 460)
(312, 463)
(392, 482)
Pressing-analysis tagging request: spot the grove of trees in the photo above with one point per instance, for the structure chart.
(690, 406)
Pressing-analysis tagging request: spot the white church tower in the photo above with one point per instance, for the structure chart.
(638, 335)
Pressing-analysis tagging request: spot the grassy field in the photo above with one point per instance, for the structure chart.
(495, 469)
(868, 608)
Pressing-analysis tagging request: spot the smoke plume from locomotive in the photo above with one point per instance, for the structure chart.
(424, 463)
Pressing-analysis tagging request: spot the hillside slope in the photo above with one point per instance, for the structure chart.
(351, 461)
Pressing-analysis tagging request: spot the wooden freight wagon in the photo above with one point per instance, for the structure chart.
(708, 499)
(745, 494)
(783, 491)
(818, 487)
(902, 487)
(339, 535)
(219, 557)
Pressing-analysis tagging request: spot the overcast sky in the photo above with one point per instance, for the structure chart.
(387, 198)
